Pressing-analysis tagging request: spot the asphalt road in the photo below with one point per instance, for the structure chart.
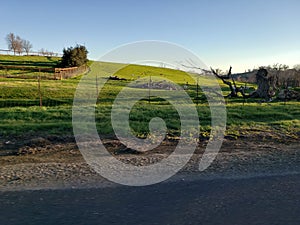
(265, 200)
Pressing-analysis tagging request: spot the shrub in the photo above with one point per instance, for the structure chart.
(74, 56)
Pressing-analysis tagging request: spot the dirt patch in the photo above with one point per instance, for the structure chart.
(52, 148)
(55, 161)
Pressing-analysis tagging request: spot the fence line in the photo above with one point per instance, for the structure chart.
(65, 73)
(57, 73)
(10, 52)
(47, 102)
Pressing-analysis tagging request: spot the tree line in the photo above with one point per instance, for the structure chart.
(18, 46)
(72, 56)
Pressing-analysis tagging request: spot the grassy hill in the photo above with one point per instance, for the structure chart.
(30, 61)
(20, 113)
(27, 66)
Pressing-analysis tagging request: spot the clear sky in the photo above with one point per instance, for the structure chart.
(241, 33)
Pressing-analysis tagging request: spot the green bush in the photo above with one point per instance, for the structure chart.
(74, 56)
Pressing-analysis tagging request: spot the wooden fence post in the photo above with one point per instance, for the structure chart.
(39, 87)
(197, 90)
(97, 88)
(149, 91)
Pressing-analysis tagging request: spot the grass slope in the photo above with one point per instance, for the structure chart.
(30, 61)
(27, 66)
(20, 114)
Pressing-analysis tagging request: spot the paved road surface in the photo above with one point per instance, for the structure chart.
(265, 200)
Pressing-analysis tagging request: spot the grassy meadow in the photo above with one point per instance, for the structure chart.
(27, 67)
(20, 113)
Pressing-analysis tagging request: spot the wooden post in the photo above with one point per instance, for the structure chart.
(97, 88)
(39, 87)
(244, 97)
(149, 90)
(197, 91)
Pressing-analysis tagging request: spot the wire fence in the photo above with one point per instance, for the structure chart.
(31, 53)
(40, 92)
(47, 102)
(33, 88)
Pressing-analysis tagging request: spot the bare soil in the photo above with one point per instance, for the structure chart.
(52, 162)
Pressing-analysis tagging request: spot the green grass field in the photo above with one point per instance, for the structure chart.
(27, 66)
(30, 61)
(20, 113)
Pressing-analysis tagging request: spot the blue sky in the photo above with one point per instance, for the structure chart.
(240, 33)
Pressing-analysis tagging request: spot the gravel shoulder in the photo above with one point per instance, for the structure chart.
(58, 164)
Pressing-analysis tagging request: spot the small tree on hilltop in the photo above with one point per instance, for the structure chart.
(74, 56)
(27, 46)
(14, 43)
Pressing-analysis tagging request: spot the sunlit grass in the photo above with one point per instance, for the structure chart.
(20, 114)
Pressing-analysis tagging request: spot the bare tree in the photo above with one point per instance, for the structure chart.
(11, 42)
(27, 46)
(44, 52)
(41, 51)
(228, 80)
(15, 43)
(266, 85)
(266, 78)
(19, 45)
(278, 66)
(10, 39)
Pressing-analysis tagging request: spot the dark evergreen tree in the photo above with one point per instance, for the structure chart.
(74, 56)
